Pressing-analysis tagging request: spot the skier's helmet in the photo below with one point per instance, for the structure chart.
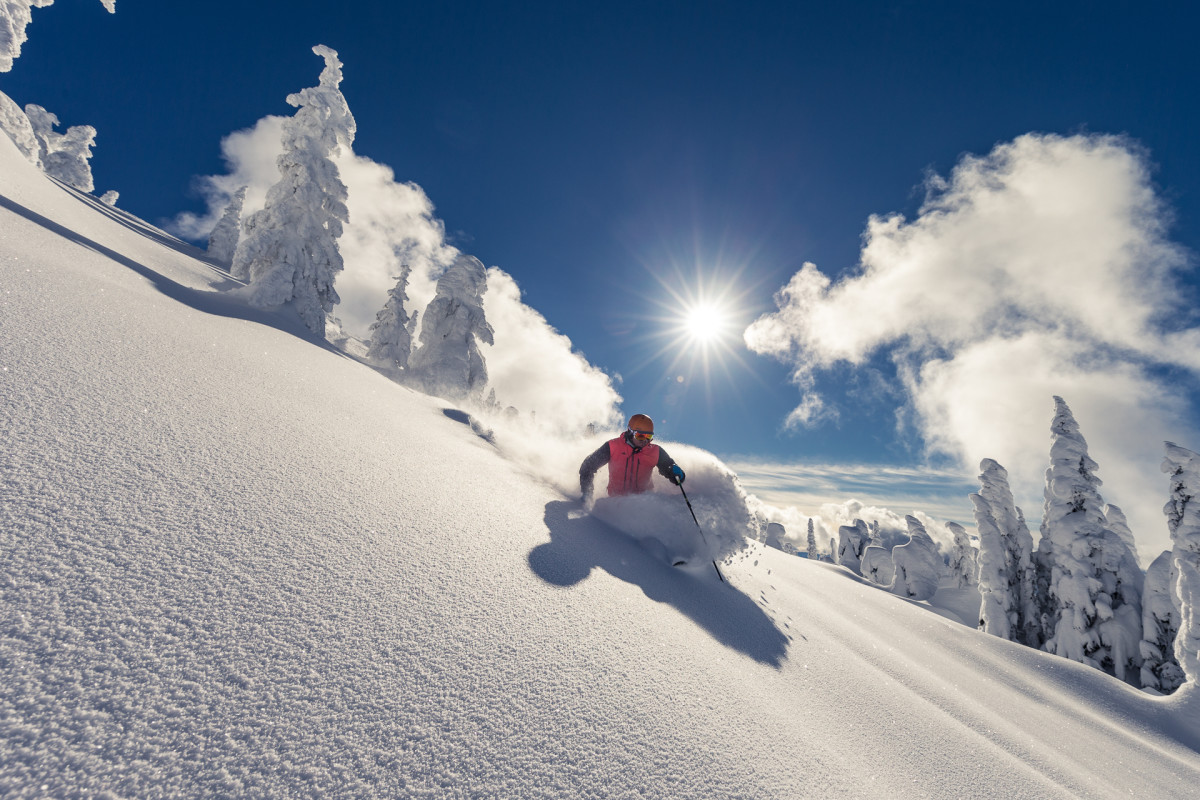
(641, 427)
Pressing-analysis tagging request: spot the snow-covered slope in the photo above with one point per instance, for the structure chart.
(236, 563)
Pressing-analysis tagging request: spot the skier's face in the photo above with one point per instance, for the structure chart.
(641, 438)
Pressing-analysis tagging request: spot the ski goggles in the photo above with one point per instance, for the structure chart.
(642, 435)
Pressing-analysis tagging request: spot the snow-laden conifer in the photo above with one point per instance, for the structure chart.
(918, 564)
(1160, 624)
(391, 336)
(813, 555)
(63, 155)
(852, 542)
(1005, 568)
(289, 249)
(15, 123)
(963, 557)
(1183, 520)
(1118, 523)
(1088, 587)
(223, 239)
(449, 362)
(877, 566)
(15, 16)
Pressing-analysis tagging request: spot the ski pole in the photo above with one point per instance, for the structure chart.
(703, 538)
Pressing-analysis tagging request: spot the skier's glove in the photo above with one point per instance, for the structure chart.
(676, 475)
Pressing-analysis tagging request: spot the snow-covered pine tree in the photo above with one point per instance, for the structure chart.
(223, 240)
(963, 558)
(63, 155)
(391, 338)
(918, 564)
(1160, 625)
(813, 555)
(1183, 520)
(15, 123)
(449, 363)
(289, 249)
(852, 542)
(1086, 621)
(877, 566)
(1119, 524)
(15, 16)
(1007, 578)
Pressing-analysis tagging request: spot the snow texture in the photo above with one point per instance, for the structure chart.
(289, 252)
(1007, 577)
(918, 564)
(16, 124)
(449, 363)
(194, 605)
(391, 335)
(223, 240)
(63, 155)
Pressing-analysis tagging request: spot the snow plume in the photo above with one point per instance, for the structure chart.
(1042, 268)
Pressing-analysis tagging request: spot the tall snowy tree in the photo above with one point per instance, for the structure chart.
(1007, 579)
(449, 363)
(223, 240)
(1183, 520)
(63, 155)
(813, 555)
(1087, 621)
(963, 557)
(918, 564)
(15, 123)
(877, 566)
(289, 251)
(391, 336)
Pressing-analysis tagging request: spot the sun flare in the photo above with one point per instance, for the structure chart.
(705, 322)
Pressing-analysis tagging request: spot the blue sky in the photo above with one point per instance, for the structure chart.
(621, 160)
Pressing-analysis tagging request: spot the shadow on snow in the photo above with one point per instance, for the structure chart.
(579, 543)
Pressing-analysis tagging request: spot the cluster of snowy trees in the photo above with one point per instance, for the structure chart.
(65, 156)
(288, 255)
(1081, 593)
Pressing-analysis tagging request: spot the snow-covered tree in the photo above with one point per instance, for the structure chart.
(223, 240)
(449, 363)
(110, 197)
(1119, 524)
(963, 557)
(1007, 579)
(15, 123)
(391, 337)
(1183, 520)
(289, 251)
(774, 536)
(15, 16)
(852, 542)
(1160, 624)
(813, 555)
(877, 566)
(918, 564)
(1088, 587)
(63, 155)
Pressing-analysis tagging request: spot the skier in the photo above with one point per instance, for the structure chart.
(630, 458)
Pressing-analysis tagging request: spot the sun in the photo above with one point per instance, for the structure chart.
(705, 322)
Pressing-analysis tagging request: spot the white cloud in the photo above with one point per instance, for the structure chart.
(1040, 269)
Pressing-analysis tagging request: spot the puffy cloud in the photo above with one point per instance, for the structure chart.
(1042, 268)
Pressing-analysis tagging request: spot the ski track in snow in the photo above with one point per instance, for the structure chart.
(235, 563)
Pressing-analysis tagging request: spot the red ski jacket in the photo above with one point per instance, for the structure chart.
(629, 467)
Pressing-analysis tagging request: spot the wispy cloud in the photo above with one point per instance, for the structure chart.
(1042, 268)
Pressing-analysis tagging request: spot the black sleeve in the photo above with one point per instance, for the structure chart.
(665, 462)
(589, 466)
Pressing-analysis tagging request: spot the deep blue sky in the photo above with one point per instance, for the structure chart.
(593, 152)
